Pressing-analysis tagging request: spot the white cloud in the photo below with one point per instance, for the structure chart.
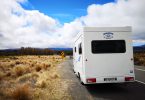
(119, 13)
(20, 27)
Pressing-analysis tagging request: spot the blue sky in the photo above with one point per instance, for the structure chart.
(63, 10)
(42, 23)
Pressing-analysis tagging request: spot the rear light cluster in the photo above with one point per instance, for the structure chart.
(91, 80)
(129, 78)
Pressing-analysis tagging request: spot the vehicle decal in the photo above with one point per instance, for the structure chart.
(79, 58)
(108, 35)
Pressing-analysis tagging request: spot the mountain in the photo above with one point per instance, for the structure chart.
(55, 49)
(143, 45)
(139, 48)
(61, 49)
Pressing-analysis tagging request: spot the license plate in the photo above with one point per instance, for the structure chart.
(110, 79)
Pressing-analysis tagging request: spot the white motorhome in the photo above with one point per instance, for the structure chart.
(104, 55)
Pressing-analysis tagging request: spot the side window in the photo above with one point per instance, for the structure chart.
(80, 48)
(75, 49)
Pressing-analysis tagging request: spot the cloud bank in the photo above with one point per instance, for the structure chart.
(20, 27)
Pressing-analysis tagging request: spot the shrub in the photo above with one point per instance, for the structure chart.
(8, 74)
(27, 69)
(19, 70)
(21, 92)
(17, 62)
(13, 58)
(12, 65)
(41, 84)
(139, 59)
(28, 77)
(54, 76)
(32, 65)
(45, 66)
(53, 58)
(1, 67)
(1, 75)
(38, 68)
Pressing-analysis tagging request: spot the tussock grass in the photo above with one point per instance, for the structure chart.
(12, 64)
(30, 77)
(1, 75)
(21, 92)
(54, 75)
(41, 84)
(8, 74)
(46, 66)
(38, 68)
(17, 62)
(19, 70)
(139, 59)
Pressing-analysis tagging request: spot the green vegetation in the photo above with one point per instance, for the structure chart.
(32, 51)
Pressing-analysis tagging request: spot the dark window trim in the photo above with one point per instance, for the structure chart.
(80, 48)
(75, 49)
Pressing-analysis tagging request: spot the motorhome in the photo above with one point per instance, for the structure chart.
(104, 55)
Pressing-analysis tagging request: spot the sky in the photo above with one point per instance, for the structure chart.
(63, 10)
(54, 23)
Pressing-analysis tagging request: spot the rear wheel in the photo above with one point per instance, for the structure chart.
(74, 70)
(80, 79)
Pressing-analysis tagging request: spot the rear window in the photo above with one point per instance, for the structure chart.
(108, 46)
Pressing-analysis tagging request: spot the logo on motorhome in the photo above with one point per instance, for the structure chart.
(108, 35)
(79, 58)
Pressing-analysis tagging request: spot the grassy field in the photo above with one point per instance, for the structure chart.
(31, 78)
(139, 59)
(36, 77)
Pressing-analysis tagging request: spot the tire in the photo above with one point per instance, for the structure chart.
(80, 79)
(74, 70)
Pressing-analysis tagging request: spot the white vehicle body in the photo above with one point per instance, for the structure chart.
(104, 55)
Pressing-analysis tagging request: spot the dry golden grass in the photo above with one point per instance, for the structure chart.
(46, 66)
(1, 75)
(38, 73)
(8, 74)
(139, 59)
(21, 92)
(19, 70)
(28, 77)
(41, 84)
(38, 68)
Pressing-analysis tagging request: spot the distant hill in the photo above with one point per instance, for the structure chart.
(9, 49)
(61, 49)
(35, 51)
(139, 48)
(55, 49)
(143, 45)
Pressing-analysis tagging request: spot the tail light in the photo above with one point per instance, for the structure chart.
(91, 80)
(129, 78)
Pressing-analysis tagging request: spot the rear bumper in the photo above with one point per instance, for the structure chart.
(118, 79)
